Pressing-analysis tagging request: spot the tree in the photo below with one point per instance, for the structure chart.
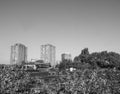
(82, 58)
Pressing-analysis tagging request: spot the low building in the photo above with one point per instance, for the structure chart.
(65, 56)
(37, 65)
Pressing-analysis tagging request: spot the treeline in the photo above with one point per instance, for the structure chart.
(94, 60)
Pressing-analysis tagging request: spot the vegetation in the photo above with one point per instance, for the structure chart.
(96, 73)
(102, 59)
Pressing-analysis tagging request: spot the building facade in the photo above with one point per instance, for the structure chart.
(48, 54)
(65, 56)
(18, 54)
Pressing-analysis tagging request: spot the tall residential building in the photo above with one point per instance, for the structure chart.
(48, 54)
(66, 57)
(18, 53)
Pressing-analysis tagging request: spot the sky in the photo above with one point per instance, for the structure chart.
(70, 25)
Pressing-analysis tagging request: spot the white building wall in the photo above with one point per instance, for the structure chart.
(48, 54)
(18, 54)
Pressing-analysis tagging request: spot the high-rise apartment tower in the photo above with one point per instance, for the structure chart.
(18, 54)
(48, 54)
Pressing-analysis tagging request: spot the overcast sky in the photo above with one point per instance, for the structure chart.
(70, 25)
